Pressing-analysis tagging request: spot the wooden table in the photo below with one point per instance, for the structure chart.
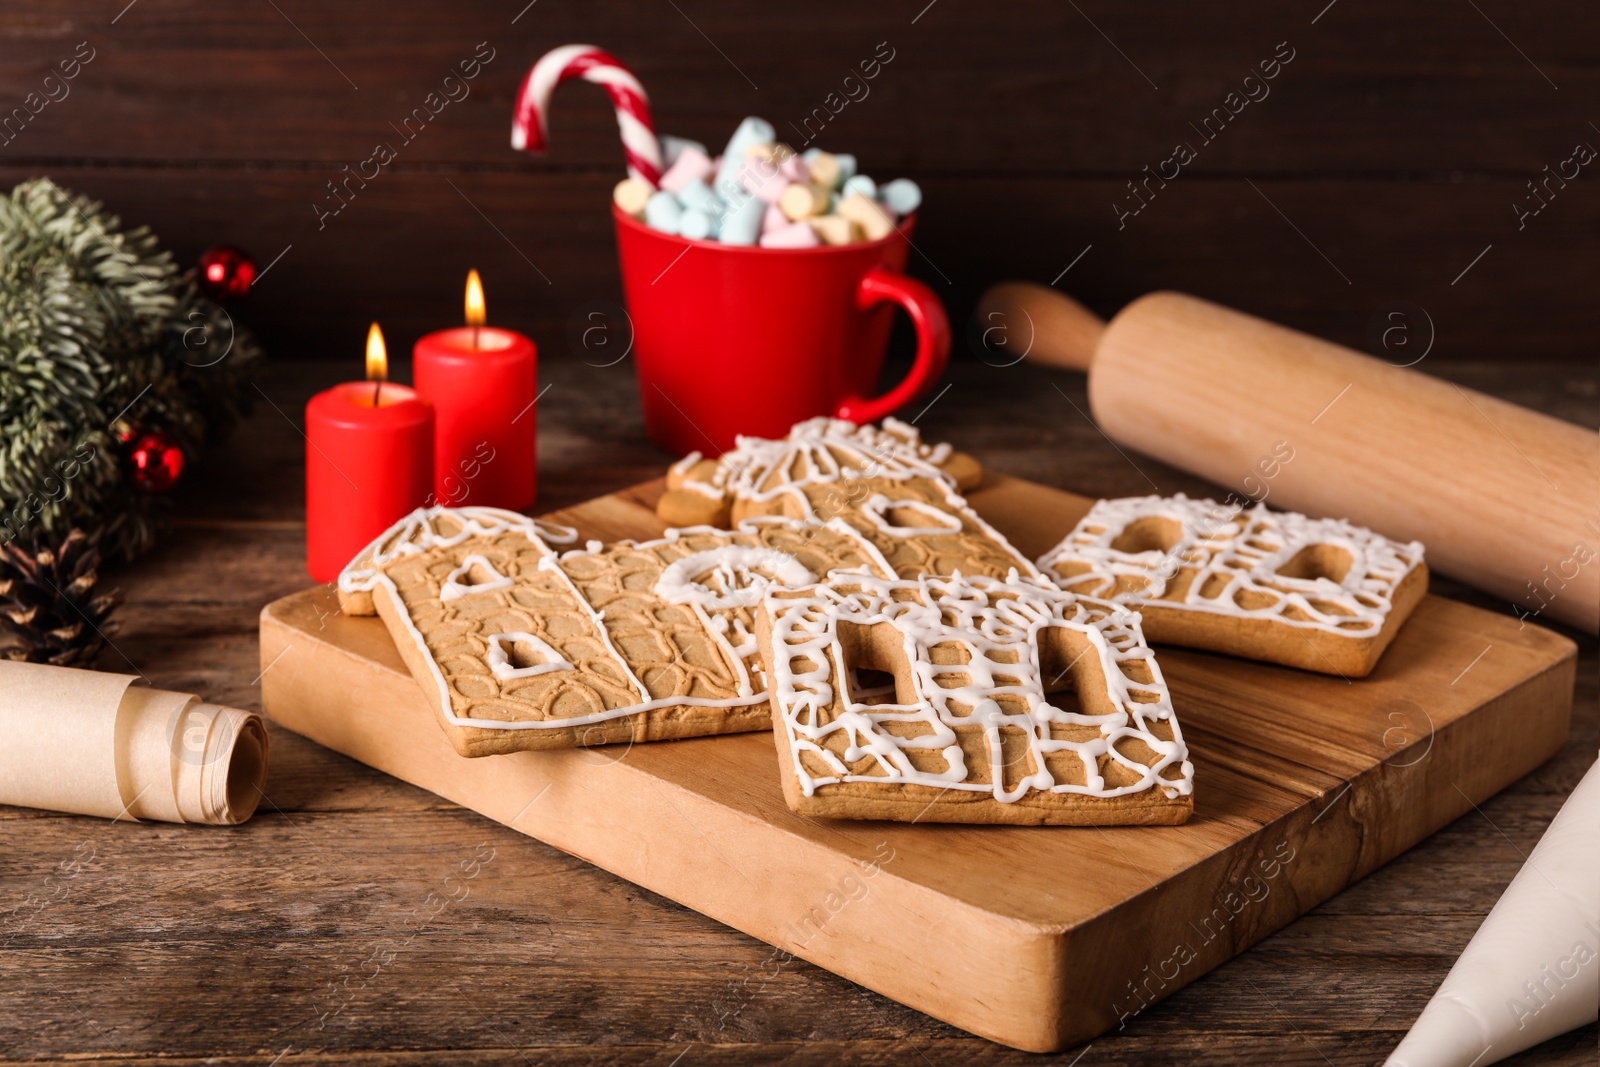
(309, 934)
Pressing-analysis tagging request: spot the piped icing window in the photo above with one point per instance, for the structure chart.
(475, 575)
(522, 655)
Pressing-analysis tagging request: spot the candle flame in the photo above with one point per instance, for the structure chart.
(475, 306)
(377, 355)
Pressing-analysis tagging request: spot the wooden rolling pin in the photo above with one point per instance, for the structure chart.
(1504, 499)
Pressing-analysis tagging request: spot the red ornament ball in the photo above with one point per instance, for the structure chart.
(154, 462)
(226, 272)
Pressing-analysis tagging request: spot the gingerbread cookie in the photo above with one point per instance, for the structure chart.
(1320, 594)
(1008, 701)
(899, 493)
(520, 646)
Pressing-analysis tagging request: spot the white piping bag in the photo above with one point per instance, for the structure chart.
(1532, 970)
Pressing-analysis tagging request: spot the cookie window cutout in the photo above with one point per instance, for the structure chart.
(970, 700)
(522, 655)
(1320, 594)
(475, 575)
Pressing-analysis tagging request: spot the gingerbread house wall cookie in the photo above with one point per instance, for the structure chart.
(1011, 702)
(1319, 594)
(521, 646)
(901, 494)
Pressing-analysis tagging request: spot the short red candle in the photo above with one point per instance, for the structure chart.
(480, 382)
(366, 466)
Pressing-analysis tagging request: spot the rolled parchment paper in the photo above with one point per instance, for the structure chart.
(1532, 970)
(92, 744)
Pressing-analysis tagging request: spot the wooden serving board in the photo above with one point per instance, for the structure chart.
(1033, 937)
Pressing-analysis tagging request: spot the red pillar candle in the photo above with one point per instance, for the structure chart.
(369, 461)
(480, 381)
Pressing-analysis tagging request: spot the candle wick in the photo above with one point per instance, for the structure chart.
(377, 391)
(475, 337)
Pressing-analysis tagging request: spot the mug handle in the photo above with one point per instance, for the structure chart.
(933, 341)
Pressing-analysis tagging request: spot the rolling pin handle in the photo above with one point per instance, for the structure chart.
(1043, 325)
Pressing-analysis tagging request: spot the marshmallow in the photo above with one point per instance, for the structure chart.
(697, 225)
(759, 191)
(742, 224)
(835, 229)
(859, 183)
(773, 219)
(824, 167)
(794, 168)
(630, 195)
(901, 196)
(663, 212)
(875, 223)
(791, 235)
(731, 188)
(692, 165)
(772, 153)
(672, 148)
(802, 201)
(751, 132)
(697, 194)
(761, 177)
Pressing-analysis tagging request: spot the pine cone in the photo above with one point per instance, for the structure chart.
(48, 605)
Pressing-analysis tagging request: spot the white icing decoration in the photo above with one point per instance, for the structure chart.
(737, 567)
(682, 469)
(419, 531)
(985, 615)
(1242, 550)
(878, 506)
(455, 587)
(717, 626)
(704, 489)
(759, 468)
(825, 451)
(597, 618)
(500, 664)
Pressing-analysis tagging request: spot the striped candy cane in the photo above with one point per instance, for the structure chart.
(528, 124)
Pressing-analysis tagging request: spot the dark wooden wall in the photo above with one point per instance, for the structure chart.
(1384, 162)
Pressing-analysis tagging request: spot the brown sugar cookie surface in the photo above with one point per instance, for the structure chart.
(898, 492)
(970, 700)
(1320, 594)
(518, 645)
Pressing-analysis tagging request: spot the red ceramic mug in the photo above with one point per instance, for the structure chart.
(746, 340)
